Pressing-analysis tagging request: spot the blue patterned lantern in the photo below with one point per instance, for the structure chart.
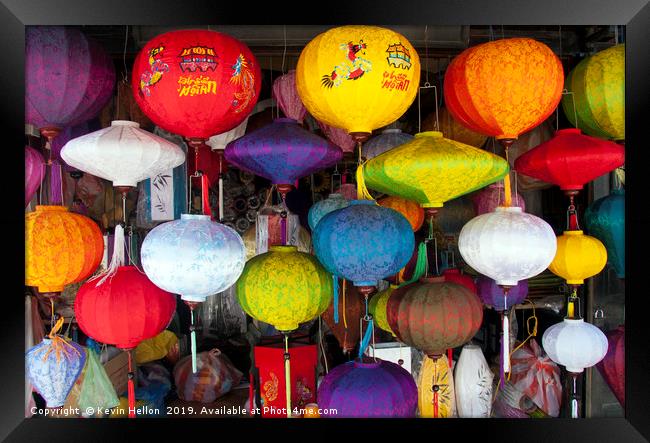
(364, 242)
(53, 366)
(605, 220)
(322, 208)
(387, 140)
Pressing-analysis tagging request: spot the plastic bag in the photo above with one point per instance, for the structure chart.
(215, 377)
(156, 348)
(97, 391)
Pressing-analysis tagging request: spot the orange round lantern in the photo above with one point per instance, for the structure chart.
(504, 87)
(409, 209)
(61, 247)
(311, 411)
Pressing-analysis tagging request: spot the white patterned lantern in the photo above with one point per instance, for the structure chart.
(122, 153)
(219, 142)
(575, 344)
(473, 383)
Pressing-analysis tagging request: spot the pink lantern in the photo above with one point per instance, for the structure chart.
(612, 367)
(286, 94)
(347, 190)
(34, 172)
(338, 136)
(492, 196)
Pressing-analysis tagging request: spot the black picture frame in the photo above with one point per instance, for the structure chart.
(15, 14)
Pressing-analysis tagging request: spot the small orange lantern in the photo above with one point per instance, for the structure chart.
(409, 209)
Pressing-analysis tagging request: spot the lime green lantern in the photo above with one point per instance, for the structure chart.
(377, 308)
(284, 287)
(597, 86)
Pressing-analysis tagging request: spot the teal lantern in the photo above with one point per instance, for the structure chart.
(605, 220)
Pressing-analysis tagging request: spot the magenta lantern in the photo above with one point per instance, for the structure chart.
(338, 136)
(34, 172)
(286, 94)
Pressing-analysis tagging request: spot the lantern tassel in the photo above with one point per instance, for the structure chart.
(220, 198)
(205, 195)
(450, 356)
(366, 338)
(435, 388)
(131, 386)
(335, 281)
(362, 191)
(345, 322)
(117, 259)
(193, 339)
(421, 265)
(287, 373)
(507, 191)
(506, 343)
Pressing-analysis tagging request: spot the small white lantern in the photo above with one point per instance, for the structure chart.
(575, 344)
(473, 383)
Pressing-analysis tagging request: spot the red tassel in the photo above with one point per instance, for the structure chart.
(573, 221)
(131, 387)
(205, 194)
(435, 404)
(450, 356)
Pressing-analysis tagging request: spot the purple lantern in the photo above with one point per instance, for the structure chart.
(492, 196)
(34, 172)
(286, 94)
(612, 367)
(492, 295)
(69, 78)
(282, 152)
(338, 136)
(67, 134)
(377, 389)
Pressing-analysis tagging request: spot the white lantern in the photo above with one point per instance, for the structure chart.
(575, 344)
(473, 383)
(122, 153)
(507, 245)
(219, 142)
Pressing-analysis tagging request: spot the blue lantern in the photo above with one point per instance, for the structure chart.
(387, 140)
(364, 242)
(605, 220)
(324, 207)
(53, 366)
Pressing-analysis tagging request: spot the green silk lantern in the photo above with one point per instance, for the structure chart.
(284, 287)
(377, 308)
(597, 85)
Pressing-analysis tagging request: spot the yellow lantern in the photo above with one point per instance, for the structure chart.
(377, 308)
(358, 78)
(578, 257)
(438, 401)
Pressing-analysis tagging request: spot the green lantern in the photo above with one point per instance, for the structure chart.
(377, 308)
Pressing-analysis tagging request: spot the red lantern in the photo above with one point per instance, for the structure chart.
(455, 276)
(196, 83)
(122, 311)
(612, 367)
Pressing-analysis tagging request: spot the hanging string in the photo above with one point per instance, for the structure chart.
(369, 331)
(531, 330)
(284, 52)
(435, 254)
(126, 39)
(320, 342)
(345, 322)
(59, 345)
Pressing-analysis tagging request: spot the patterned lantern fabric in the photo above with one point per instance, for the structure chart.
(432, 169)
(282, 152)
(69, 133)
(387, 140)
(612, 367)
(347, 71)
(364, 242)
(598, 86)
(527, 141)
(215, 377)
(69, 78)
(122, 153)
(219, 142)
(368, 389)
(575, 344)
(452, 129)
(507, 245)
(194, 257)
(434, 315)
(535, 374)
(196, 83)
(338, 136)
(286, 95)
(34, 172)
(492, 295)
(347, 330)
(123, 310)
(571, 159)
(409, 209)
(61, 247)
(436, 373)
(488, 199)
(455, 276)
(53, 366)
(578, 257)
(473, 380)
(284, 287)
(377, 308)
(605, 220)
(322, 208)
(504, 87)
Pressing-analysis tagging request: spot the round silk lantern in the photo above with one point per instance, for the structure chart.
(605, 220)
(61, 247)
(598, 99)
(578, 257)
(377, 308)
(346, 71)
(455, 276)
(34, 172)
(612, 367)
(368, 389)
(507, 245)
(489, 198)
(434, 315)
(286, 95)
(338, 136)
(324, 207)
(473, 380)
(284, 287)
(575, 344)
(492, 295)
(504, 87)
(196, 83)
(387, 140)
(409, 209)
(123, 154)
(282, 152)
(436, 392)
(69, 78)
(363, 243)
(452, 129)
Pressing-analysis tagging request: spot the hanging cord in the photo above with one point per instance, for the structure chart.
(131, 384)
(125, 75)
(320, 341)
(344, 290)
(284, 52)
(369, 331)
(59, 345)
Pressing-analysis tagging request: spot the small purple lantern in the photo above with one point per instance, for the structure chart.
(338, 136)
(370, 388)
(492, 196)
(286, 94)
(492, 295)
(34, 172)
